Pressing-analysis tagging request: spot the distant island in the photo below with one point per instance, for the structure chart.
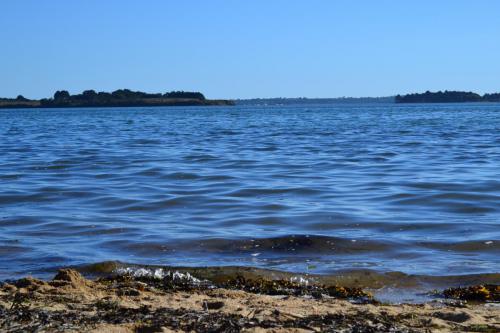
(447, 97)
(118, 98)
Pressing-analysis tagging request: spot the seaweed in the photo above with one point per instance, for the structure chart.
(479, 293)
(291, 288)
(147, 320)
(184, 282)
(170, 282)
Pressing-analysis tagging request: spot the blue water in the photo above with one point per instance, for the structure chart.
(318, 189)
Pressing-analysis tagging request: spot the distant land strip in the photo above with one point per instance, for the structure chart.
(427, 97)
(129, 98)
(118, 98)
(305, 100)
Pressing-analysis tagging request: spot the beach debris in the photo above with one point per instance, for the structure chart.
(479, 293)
(28, 283)
(128, 292)
(214, 305)
(297, 286)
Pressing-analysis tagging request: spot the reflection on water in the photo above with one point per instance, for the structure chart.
(316, 189)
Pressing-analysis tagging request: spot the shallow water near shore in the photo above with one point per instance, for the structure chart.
(304, 189)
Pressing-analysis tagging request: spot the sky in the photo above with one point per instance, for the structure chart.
(248, 49)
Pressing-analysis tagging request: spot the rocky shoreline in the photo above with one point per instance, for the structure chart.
(179, 302)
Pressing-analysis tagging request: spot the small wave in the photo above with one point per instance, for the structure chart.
(252, 192)
(200, 157)
(348, 278)
(18, 198)
(458, 202)
(157, 273)
(12, 250)
(181, 176)
(479, 246)
(142, 142)
(151, 172)
(298, 244)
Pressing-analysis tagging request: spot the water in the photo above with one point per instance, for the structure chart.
(308, 189)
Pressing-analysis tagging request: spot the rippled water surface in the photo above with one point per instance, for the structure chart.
(317, 189)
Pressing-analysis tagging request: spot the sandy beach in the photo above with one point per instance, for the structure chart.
(72, 303)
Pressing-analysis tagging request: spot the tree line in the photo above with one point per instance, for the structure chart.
(120, 96)
(447, 97)
(117, 98)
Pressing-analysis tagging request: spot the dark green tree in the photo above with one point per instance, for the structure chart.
(89, 94)
(61, 95)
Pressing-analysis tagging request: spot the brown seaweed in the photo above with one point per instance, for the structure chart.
(479, 293)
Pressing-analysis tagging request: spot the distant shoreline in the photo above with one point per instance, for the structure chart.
(416, 98)
(128, 98)
(118, 98)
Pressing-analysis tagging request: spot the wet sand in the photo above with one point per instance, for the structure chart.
(73, 303)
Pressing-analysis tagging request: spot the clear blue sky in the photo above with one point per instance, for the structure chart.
(244, 49)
